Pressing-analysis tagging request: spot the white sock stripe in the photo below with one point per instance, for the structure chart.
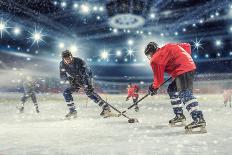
(193, 108)
(175, 99)
(177, 105)
(190, 101)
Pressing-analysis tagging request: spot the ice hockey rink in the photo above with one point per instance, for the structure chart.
(48, 133)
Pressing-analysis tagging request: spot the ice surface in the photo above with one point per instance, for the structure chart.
(49, 134)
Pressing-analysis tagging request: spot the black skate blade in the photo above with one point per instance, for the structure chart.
(178, 124)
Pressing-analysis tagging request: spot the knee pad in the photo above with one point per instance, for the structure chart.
(189, 100)
(67, 95)
(33, 98)
(93, 96)
(23, 99)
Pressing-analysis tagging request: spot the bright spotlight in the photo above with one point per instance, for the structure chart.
(201, 21)
(16, 30)
(231, 29)
(115, 30)
(85, 8)
(152, 15)
(104, 55)
(75, 5)
(206, 55)
(197, 44)
(130, 52)
(63, 4)
(98, 17)
(3, 27)
(218, 42)
(37, 36)
(218, 54)
(61, 45)
(118, 53)
(130, 42)
(73, 48)
(95, 8)
(101, 9)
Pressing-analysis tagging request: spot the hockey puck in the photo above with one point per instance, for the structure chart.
(132, 120)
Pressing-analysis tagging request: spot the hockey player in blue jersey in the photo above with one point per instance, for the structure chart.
(74, 71)
(29, 87)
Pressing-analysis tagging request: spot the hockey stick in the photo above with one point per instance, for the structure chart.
(145, 96)
(130, 120)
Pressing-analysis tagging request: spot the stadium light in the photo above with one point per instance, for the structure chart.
(84, 8)
(115, 30)
(218, 43)
(197, 44)
(98, 17)
(3, 26)
(73, 48)
(104, 55)
(101, 9)
(37, 36)
(152, 15)
(95, 8)
(17, 30)
(130, 42)
(63, 4)
(61, 45)
(118, 53)
(75, 5)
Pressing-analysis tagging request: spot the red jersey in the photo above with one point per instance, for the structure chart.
(227, 94)
(133, 91)
(174, 59)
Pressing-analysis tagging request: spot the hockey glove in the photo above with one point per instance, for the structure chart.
(151, 90)
(127, 98)
(71, 80)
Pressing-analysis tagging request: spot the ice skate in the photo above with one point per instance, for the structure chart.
(71, 114)
(136, 109)
(178, 121)
(37, 110)
(197, 126)
(20, 109)
(106, 112)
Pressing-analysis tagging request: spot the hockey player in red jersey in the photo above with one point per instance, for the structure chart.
(175, 59)
(227, 96)
(132, 91)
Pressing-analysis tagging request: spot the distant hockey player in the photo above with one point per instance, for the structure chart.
(29, 87)
(75, 71)
(132, 91)
(175, 59)
(227, 96)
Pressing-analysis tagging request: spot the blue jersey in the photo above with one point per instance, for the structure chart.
(77, 71)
